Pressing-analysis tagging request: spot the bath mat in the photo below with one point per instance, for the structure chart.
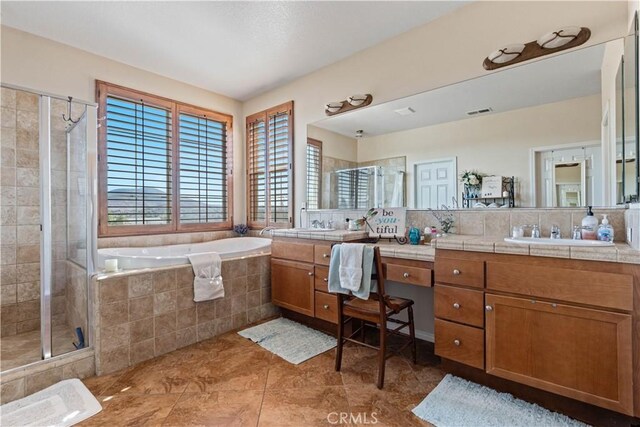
(63, 404)
(290, 340)
(457, 402)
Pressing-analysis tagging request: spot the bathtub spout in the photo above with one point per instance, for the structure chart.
(266, 229)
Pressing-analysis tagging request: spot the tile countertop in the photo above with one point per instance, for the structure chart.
(621, 252)
(335, 235)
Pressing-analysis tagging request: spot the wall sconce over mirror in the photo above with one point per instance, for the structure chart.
(555, 41)
(351, 103)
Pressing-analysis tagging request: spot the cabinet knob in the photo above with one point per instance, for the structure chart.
(310, 273)
(488, 308)
(456, 305)
(456, 272)
(405, 275)
(325, 255)
(325, 279)
(456, 343)
(326, 306)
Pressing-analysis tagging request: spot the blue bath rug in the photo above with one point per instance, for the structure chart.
(456, 402)
(290, 340)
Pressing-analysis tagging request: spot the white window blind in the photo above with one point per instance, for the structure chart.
(314, 173)
(203, 170)
(270, 167)
(138, 163)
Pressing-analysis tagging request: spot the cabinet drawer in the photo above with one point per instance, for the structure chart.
(460, 305)
(610, 290)
(292, 251)
(460, 343)
(322, 254)
(460, 272)
(326, 307)
(410, 275)
(321, 281)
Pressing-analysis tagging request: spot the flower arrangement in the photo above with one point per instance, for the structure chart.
(445, 218)
(471, 177)
(241, 229)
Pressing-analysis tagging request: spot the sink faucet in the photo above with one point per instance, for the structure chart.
(535, 231)
(317, 224)
(555, 232)
(266, 229)
(577, 232)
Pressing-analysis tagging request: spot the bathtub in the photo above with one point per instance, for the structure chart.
(164, 256)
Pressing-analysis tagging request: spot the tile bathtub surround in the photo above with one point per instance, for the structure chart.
(163, 239)
(489, 222)
(144, 315)
(19, 216)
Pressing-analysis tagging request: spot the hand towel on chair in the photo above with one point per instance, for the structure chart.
(366, 287)
(351, 266)
(207, 284)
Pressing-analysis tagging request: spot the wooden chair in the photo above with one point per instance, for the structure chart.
(377, 310)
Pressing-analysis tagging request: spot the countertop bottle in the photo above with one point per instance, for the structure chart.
(605, 231)
(589, 226)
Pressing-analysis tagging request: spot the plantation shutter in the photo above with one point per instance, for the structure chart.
(270, 167)
(138, 139)
(314, 173)
(202, 170)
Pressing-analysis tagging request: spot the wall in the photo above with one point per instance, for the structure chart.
(333, 144)
(422, 59)
(496, 144)
(72, 72)
(20, 215)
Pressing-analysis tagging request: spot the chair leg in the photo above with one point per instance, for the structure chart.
(340, 334)
(412, 332)
(362, 328)
(382, 351)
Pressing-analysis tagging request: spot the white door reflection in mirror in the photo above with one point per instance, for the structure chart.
(567, 176)
(435, 183)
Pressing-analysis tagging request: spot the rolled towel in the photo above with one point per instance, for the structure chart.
(207, 284)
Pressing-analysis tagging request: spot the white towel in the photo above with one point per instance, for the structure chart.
(207, 284)
(351, 265)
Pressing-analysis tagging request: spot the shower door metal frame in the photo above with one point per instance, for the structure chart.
(46, 249)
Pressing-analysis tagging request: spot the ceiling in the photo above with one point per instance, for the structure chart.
(237, 49)
(570, 75)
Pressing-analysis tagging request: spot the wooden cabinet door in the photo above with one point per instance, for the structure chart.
(581, 353)
(292, 285)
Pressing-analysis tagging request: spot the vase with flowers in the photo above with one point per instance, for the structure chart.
(241, 229)
(472, 181)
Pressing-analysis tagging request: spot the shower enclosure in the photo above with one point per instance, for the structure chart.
(366, 187)
(48, 224)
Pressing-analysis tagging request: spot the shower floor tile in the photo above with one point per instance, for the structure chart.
(22, 349)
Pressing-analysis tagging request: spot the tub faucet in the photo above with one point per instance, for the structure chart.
(266, 229)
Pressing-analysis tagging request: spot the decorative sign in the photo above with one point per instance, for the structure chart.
(389, 223)
(491, 186)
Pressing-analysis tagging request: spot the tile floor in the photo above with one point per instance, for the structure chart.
(22, 349)
(230, 381)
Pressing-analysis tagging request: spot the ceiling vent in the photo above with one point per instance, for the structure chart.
(480, 111)
(359, 133)
(405, 111)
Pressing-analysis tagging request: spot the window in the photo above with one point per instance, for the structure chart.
(314, 173)
(163, 166)
(270, 167)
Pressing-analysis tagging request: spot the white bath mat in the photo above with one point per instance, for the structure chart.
(290, 340)
(63, 404)
(458, 402)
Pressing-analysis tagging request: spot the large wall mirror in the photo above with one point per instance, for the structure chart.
(546, 123)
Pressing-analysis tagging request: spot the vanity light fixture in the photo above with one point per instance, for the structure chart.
(351, 103)
(555, 41)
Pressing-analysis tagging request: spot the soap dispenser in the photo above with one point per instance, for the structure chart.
(605, 231)
(589, 226)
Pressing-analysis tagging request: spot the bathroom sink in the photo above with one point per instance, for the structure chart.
(557, 242)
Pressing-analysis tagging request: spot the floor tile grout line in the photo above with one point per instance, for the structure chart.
(264, 391)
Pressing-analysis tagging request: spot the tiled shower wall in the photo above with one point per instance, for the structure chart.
(144, 315)
(19, 213)
(490, 222)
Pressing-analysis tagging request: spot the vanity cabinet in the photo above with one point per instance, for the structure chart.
(578, 352)
(568, 327)
(292, 286)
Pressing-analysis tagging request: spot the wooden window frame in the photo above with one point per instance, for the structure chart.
(318, 144)
(105, 89)
(264, 115)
